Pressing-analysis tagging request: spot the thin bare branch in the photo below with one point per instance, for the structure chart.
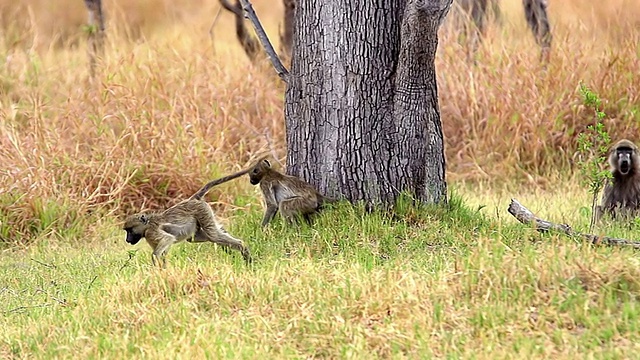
(229, 7)
(525, 216)
(211, 32)
(262, 35)
(51, 266)
(250, 44)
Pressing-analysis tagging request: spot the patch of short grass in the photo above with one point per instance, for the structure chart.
(433, 282)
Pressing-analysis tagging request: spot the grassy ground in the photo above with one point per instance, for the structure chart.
(174, 106)
(430, 283)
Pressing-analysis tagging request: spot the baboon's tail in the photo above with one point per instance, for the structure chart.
(205, 189)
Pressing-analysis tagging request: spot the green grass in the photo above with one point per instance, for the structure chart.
(174, 106)
(431, 282)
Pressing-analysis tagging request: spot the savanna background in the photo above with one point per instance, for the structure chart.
(176, 103)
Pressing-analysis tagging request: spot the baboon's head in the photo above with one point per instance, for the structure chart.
(259, 170)
(135, 226)
(623, 158)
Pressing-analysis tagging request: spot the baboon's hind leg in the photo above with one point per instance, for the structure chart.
(210, 230)
(298, 207)
(221, 237)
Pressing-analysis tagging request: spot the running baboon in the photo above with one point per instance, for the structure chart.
(290, 195)
(621, 197)
(192, 220)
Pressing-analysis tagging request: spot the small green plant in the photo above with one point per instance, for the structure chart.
(593, 145)
(91, 29)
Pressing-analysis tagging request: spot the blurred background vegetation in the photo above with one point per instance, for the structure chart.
(177, 102)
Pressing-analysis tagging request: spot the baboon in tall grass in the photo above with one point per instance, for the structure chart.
(621, 197)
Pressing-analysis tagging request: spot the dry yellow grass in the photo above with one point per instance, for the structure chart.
(172, 108)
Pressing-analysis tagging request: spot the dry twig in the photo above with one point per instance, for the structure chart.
(525, 216)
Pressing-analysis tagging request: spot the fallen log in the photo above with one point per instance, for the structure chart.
(525, 216)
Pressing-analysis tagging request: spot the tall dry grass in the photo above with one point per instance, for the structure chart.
(175, 105)
(510, 115)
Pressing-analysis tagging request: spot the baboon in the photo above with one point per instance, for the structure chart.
(192, 220)
(293, 197)
(621, 197)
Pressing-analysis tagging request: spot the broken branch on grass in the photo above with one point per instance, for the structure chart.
(283, 73)
(23, 308)
(50, 266)
(525, 216)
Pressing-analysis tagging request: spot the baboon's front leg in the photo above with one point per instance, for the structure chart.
(159, 253)
(269, 214)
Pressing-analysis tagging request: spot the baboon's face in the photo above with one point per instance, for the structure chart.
(258, 171)
(135, 226)
(625, 160)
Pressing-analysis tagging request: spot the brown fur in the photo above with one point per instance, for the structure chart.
(192, 220)
(621, 197)
(293, 197)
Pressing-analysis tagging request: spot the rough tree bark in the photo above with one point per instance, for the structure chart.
(96, 32)
(361, 104)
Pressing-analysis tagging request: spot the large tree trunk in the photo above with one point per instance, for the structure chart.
(361, 103)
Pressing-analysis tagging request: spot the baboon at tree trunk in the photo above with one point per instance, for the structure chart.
(288, 194)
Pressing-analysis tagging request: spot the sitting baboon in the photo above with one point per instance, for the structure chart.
(621, 197)
(288, 194)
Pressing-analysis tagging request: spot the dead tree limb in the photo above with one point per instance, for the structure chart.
(249, 44)
(525, 216)
(262, 36)
(286, 36)
(96, 32)
(535, 11)
(472, 16)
